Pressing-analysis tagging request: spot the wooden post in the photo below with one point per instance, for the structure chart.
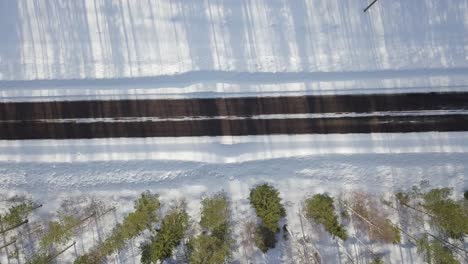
(369, 6)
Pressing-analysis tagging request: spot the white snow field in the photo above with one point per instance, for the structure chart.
(177, 48)
(114, 49)
(54, 39)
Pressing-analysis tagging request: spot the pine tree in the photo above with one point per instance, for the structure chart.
(267, 204)
(434, 252)
(377, 261)
(144, 216)
(16, 215)
(60, 231)
(173, 228)
(264, 238)
(320, 209)
(215, 215)
(206, 249)
(446, 214)
(214, 245)
(46, 258)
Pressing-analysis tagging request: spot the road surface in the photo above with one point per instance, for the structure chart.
(235, 116)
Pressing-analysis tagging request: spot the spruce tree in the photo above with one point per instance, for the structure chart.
(143, 217)
(213, 246)
(267, 204)
(435, 252)
(173, 228)
(320, 209)
(449, 216)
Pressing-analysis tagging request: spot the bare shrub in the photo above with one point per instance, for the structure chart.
(372, 219)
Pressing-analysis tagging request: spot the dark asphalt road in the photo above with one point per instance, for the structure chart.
(248, 106)
(41, 120)
(219, 127)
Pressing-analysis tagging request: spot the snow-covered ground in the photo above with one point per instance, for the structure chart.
(234, 84)
(117, 170)
(393, 162)
(229, 48)
(54, 39)
(111, 49)
(227, 149)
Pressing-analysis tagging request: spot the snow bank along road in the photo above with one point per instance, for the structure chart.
(235, 116)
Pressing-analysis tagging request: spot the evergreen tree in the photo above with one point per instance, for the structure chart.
(215, 215)
(434, 252)
(206, 249)
(60, 231)
(214, 245)
(447, 215)
(144, 216)
(320, 209)
(173, 228)
(17, 213)
(264, 238)
(267, 204)
(377, 261)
